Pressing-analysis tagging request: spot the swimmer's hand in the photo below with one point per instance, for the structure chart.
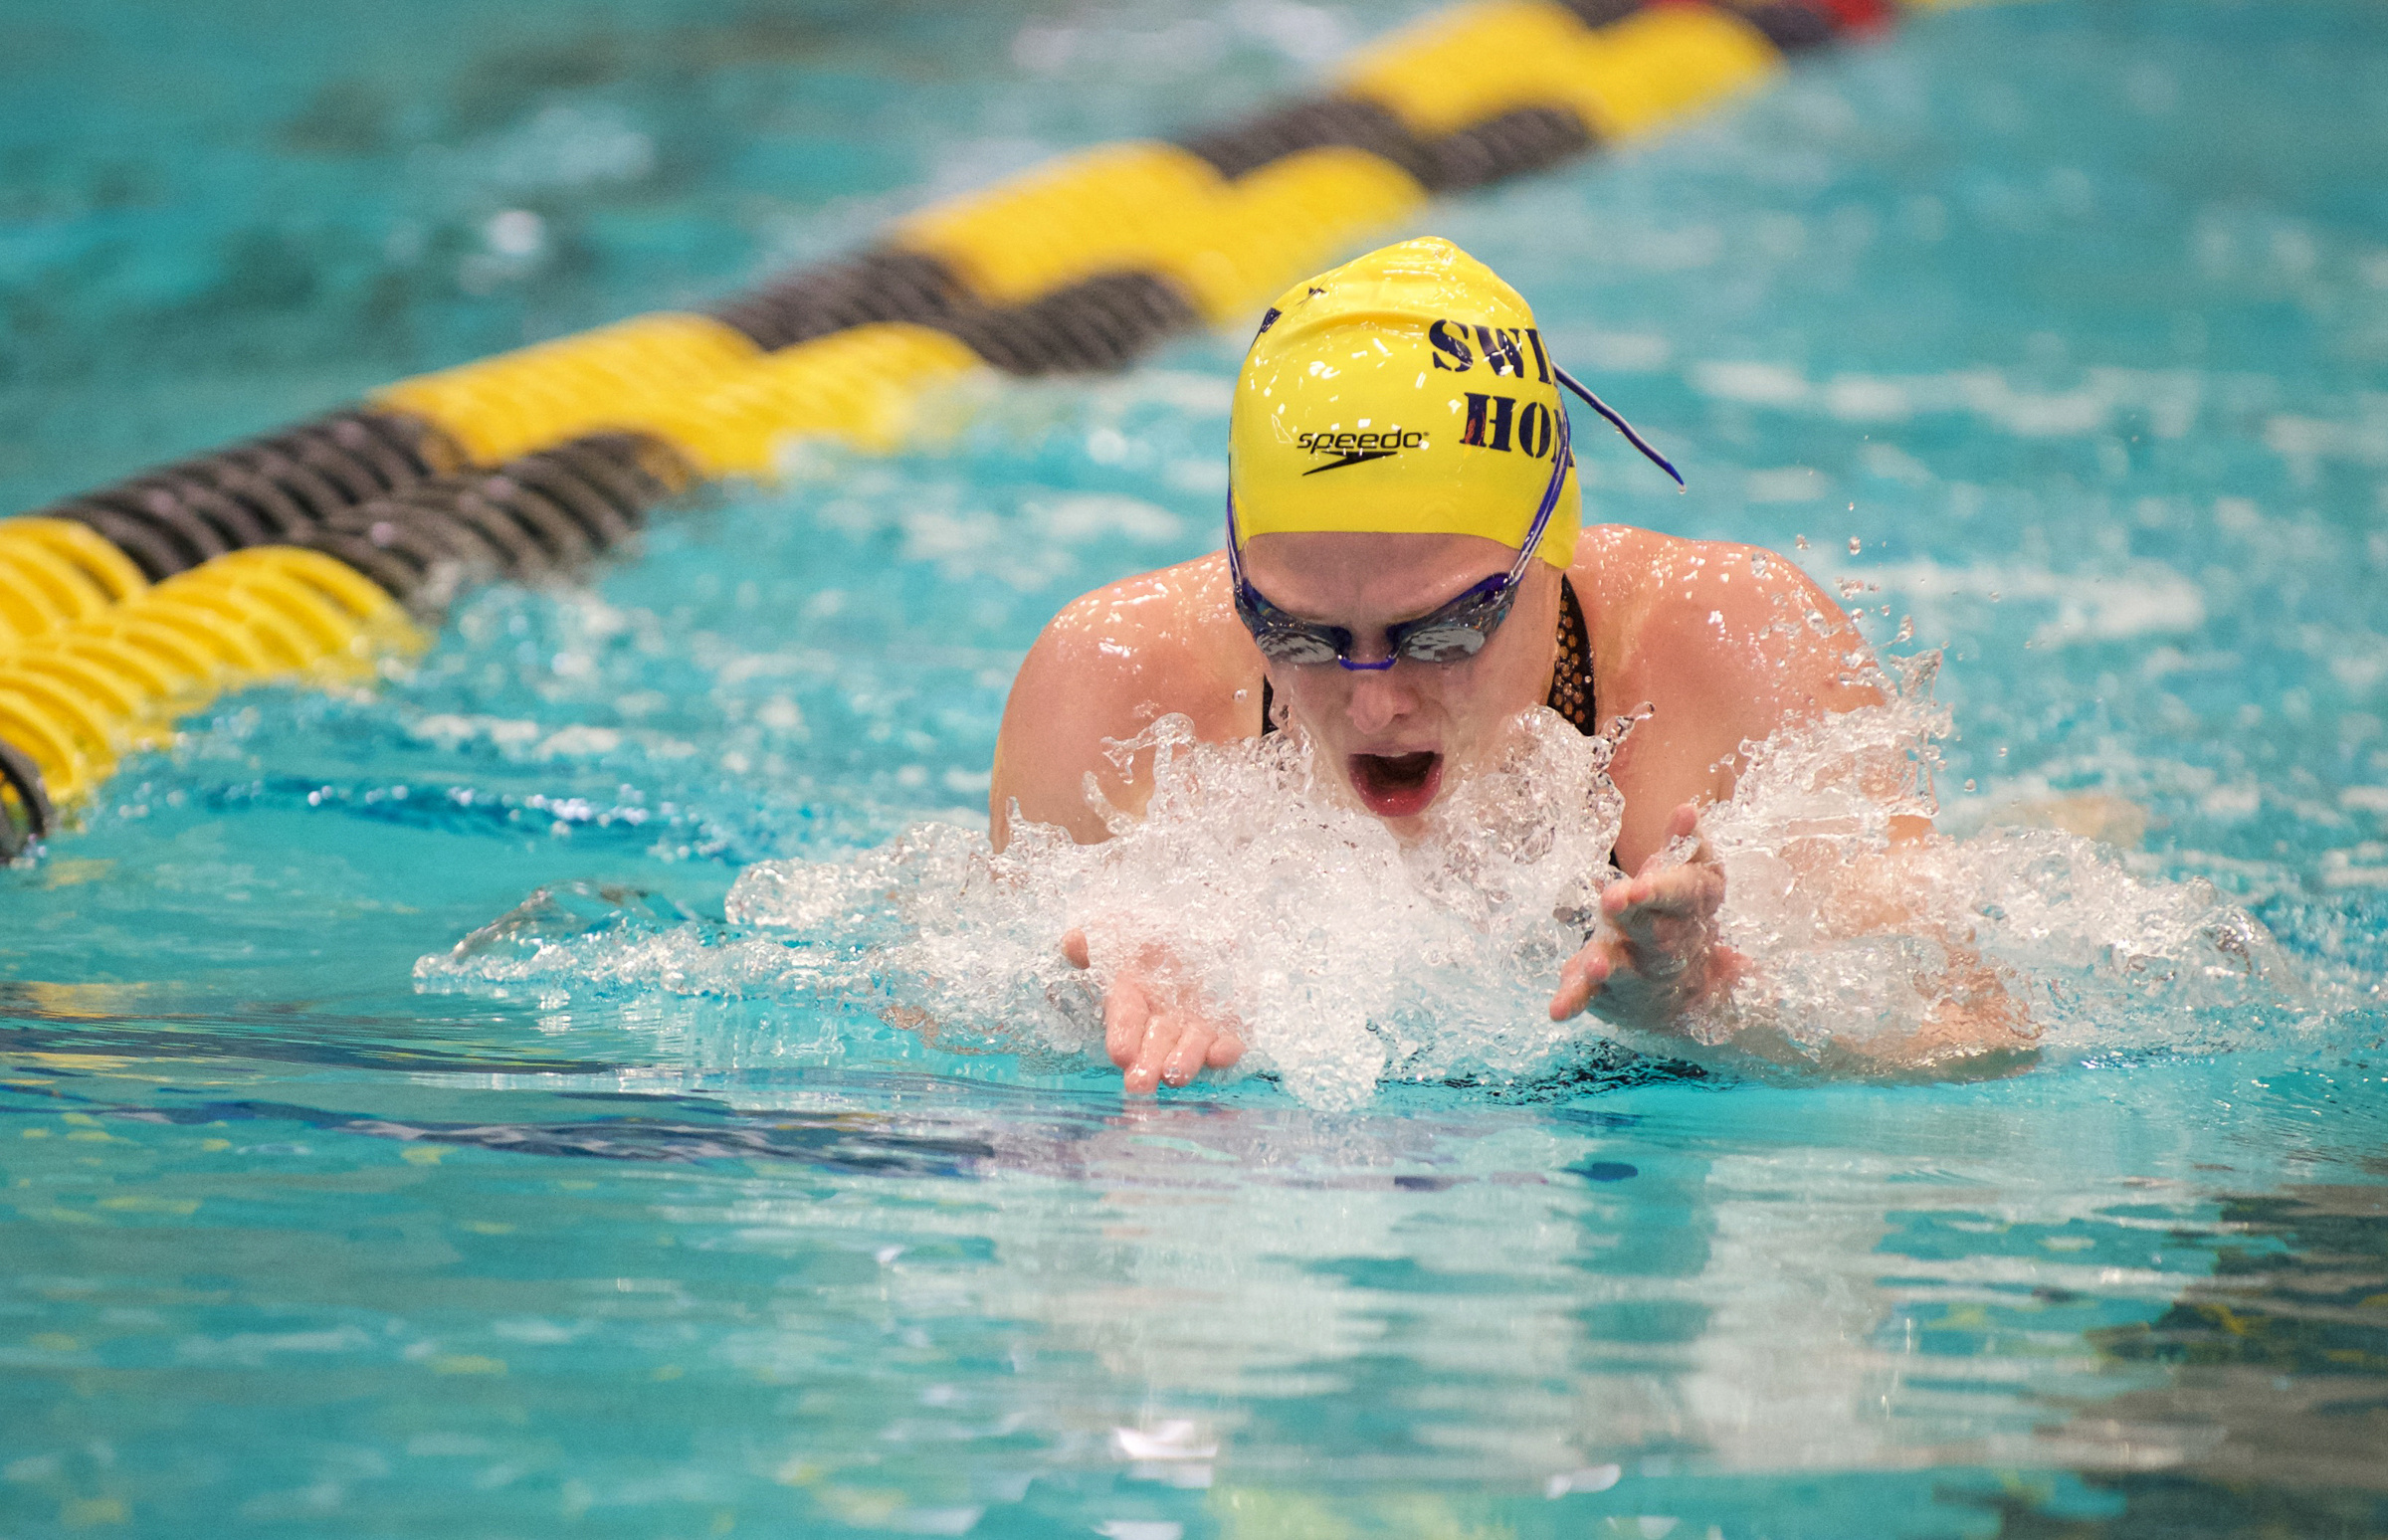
(1154, 1025)
(1658, 955)
(1658, 958)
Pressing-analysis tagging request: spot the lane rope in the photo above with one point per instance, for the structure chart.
(314, 551)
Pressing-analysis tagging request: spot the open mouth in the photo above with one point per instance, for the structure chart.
(1397, 785)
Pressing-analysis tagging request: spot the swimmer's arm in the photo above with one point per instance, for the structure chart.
(1658, 966)
(1801, 657)
(1727, 644)
(1103, 670)
(1740, 645)
(1074, 693)
(1974, 1028)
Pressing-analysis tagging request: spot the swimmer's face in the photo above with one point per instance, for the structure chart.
(1400, 735)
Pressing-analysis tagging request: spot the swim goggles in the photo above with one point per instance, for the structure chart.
(1452, 631)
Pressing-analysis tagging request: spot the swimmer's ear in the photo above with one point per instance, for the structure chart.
(1074, 948)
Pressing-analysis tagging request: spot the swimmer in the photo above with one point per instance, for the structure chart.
(1406, 572)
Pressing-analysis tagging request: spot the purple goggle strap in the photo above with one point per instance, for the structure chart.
(1620, 424)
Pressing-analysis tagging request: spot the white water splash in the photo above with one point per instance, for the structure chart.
(1341, 952)
(1857, 938)
(1350, 958)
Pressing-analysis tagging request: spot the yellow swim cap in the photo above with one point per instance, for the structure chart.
(1404, 392)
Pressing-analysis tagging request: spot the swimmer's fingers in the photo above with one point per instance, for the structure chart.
(1638, 906)
(1175, 1047)
(1682, 824)
(1126, 1016)
(1666, 951)
(1074, 948)
(1179, 1046)
(1581, 978)
(1148, 1054)
(1658, 952)
(1671, 884)
(1156, 1061)
(1189, 1052)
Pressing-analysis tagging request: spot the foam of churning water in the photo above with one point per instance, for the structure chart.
(1858, 940)
(1350, 958)
(1345, 953)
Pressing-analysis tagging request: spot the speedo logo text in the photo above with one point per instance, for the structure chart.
(1357, 448)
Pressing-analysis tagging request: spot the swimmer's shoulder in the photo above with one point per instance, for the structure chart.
(1167, 640)
(1109, 665)
(1730, 640)
(1643, 590)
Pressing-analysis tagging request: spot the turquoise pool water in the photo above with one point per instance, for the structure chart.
(2074, 316)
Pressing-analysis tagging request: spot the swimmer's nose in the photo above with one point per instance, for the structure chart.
(1377, 702)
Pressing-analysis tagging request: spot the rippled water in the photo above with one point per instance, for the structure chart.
(2071, 316)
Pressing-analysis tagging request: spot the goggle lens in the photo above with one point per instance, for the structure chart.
(1448, 641)
(1298, 647)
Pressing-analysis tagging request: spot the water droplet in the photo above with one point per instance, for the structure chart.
(1799, 542)
(1854, 544)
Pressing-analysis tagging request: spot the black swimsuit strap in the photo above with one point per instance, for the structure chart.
(1571, 691)
(1571, 686)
